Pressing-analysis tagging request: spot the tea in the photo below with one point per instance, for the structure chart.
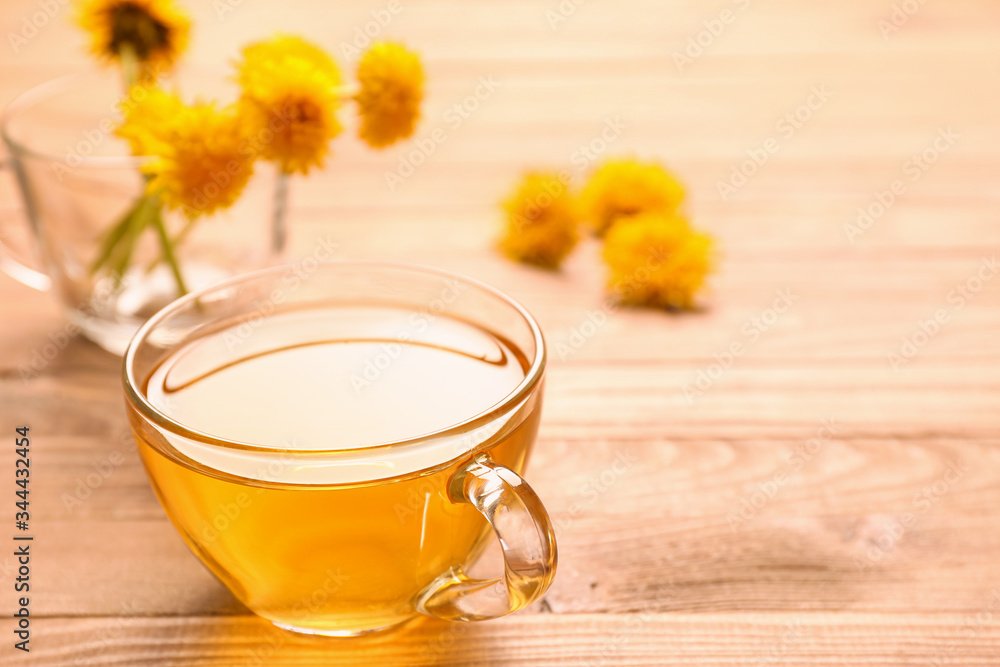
(348, 544)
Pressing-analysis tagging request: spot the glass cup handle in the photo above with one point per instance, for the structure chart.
(526, 539)
(14, 266)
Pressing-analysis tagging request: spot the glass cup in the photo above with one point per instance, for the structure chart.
(333, 534)
(77, 180)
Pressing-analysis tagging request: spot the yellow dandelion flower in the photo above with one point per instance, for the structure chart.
(622, 188)
(290, 99)
(147, 121)
(540, 225)
(392, 88)
(201, 163)
(154, 32)
(657, 260)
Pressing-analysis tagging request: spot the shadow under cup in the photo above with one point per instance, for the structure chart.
(325, 531)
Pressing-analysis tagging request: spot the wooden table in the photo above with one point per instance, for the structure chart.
(808, 504)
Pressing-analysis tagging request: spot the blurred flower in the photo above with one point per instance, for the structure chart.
(200, 162)
(541, 226)
(146, 123)
(290, 99)
(623, 188)
(153, 32)
(657, 260)
(392, 81)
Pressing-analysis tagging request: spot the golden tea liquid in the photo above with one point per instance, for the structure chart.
(308, 538)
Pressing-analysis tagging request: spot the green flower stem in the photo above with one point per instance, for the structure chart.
(177, 241)
(120, 241)
(168, 249)
(123, 250)
(113, 239)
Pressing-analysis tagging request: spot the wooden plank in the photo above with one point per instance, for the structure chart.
(632, 640)
(611, 561)
(832, 308)
(846, 473)
(729, 525)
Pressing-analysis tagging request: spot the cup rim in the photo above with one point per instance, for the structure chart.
(523, 390)
(25, 99)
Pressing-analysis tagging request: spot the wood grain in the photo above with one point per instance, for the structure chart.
(646, 639)
(736, 533)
